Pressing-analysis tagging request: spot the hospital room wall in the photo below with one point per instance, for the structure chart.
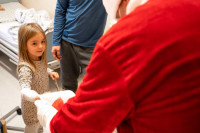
(48, 5)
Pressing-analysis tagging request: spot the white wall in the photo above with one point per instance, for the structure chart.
(48, 5)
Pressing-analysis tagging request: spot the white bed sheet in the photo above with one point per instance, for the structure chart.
(7, 35)
(8, 14)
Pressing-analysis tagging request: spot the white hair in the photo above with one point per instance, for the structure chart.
(133, 4)
(112, 6)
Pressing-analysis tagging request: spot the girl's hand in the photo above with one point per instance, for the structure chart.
(37, 98)
(54, 75)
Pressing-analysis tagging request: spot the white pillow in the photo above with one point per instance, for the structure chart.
(9, 13)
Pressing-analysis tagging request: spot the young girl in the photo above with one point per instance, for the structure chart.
(32, 72)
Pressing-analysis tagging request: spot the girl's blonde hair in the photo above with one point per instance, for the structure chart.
(27, 31)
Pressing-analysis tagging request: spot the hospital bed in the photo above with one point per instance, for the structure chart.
(8, 33)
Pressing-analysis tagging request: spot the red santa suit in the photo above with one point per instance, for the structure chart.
(144, 75)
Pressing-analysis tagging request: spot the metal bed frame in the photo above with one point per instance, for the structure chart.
(17, 109)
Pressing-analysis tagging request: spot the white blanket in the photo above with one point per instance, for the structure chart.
(8, 14)
(31, 16)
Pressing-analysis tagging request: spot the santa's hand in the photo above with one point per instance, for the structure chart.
(28, 94)
(50, 98)
(45, 113)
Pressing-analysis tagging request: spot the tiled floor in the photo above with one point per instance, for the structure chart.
(10, 92)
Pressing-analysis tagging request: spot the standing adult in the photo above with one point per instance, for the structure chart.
(78, 24)
(143, 76)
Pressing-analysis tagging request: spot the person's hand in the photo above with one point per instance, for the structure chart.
(56, 52)
(29, 95)
(54, 75)
(45, 113)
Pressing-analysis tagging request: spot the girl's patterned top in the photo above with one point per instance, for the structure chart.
(37, 81)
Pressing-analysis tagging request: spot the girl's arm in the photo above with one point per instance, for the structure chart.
(25, 80)
(54, 75)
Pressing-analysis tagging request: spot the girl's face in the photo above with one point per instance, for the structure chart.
(36, 46)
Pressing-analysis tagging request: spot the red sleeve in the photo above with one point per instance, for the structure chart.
(102, 98)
